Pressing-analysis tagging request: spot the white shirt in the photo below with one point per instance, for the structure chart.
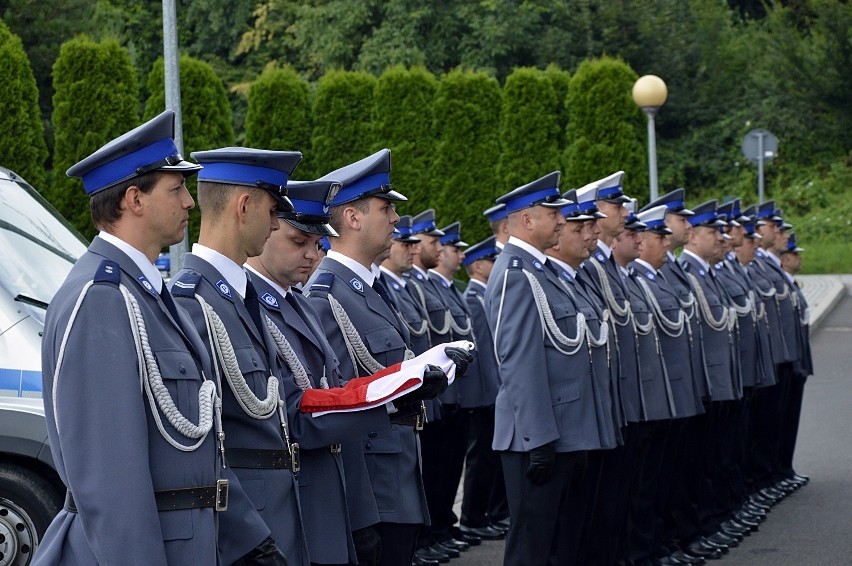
(478, 282)
(647, 265)
(230, 270)
(703, 263)
(357, 268)
(571, 271)
(536, 253)
(446, 281)
(148, 269)
(392, 275)
(606, 249)
(255, 273)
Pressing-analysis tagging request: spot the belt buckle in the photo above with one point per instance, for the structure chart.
(221, 495)
(421, 417)
(335, 448)
(294, 457)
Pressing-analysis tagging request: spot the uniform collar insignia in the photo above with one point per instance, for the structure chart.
(701, 272)
(649, 275)
(357, 284)
(418, 275)
(567, 276)
(269, 299)
(395, 285)
(537, 265)
(147, 285)
(600, 256)
(224, 289)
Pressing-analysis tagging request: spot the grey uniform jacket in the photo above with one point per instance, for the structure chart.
(392, 455)
(545, 395)
(788, 321)
(656, 391)
(273, 490)
(455, 304)
(676, 277)
(410, 312)
(479, 386)
(804, 366)
(322, 484)
(753, 342)
(675, 342)
(719, 345)
(105, 443)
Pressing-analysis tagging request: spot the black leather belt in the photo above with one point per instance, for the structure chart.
(263, 459)
(215, 496)
(417, 420)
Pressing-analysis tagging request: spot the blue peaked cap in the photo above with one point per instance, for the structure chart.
(675, 203)
(146, 148)
(496, 212)
(311, 206)
(452, 236)
(259, 168)
(369, 177)
(424, 223)
(541, 192)
(705, 215)
(402, 231)
(487, 248)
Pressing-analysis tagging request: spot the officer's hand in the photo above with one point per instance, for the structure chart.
(542, 460)
(434, 383)
(462, 357)
(264, 554)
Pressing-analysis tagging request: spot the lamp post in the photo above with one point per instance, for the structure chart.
(649, 93)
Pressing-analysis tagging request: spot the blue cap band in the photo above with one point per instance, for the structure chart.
(425, 226)
(499, 214)
(675, 204)
(588, 206)
(479, 254)
(360, 187)
(310, 207)
(403, 231)
(609, 192)
(571, 210)
(449, 239)
(125, 167)
(525, 201)
(699, 219)
(655, 223)
(241, 174)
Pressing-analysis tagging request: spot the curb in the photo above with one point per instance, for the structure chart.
(828, 299)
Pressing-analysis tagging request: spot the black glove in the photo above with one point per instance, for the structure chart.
(264, 554)
(368, 546)
(542, 460)
(434, 383)
(462, 357)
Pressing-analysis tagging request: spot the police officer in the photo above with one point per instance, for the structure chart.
(483, 475)
(239, 195)
(300, 341)
(129, 401)
(367, 335)
(545, 415)
(499, 224)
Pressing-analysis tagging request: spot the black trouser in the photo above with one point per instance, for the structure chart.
(638, 444)
(652, 485)
(612, 500)
(763, 445)
(539, 528)
(792, 412)
(692, 490)
(398, 543)
(483, 473)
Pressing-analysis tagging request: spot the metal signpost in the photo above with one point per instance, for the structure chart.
(172, 81)
(758, 146)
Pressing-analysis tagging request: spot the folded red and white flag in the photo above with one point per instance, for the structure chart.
(363, 393)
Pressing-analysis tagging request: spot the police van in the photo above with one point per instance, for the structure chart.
(38, 249)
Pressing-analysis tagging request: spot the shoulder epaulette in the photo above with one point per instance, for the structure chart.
(186, 284)
(516, 262)
(108, 272)
(322, 283)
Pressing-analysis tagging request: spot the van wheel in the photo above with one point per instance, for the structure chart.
(28, 504)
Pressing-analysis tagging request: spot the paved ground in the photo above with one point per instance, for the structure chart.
(812, 527)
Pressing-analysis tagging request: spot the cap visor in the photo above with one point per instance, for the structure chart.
(436, 233)
(188, 169)
(407, 240)
(390, 195)
(620, 199)
(312, 228)
(684, 212)
(579, 218)
(599, 214)
(558, 203)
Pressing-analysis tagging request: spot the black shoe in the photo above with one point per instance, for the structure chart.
(703, 550)
(710, 545)
(471, 540)
(431, 554)
(724, 539)
(801, 478)
(686, 558)
(423, 562)
(760, 499)
(750, 521)
(484, 533)
(449, 551)
(459, 545)
(502, 523)
(733, 528)
(755, 508)
(773, 493)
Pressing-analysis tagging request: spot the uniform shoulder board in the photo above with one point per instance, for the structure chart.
(186, 284)
(108, 272)
(321, 285)
(516, 262)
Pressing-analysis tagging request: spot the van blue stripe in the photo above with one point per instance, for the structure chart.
(20, 380)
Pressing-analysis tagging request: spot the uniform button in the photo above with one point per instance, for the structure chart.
(372, 435)
(527, 438)
(387, 342)
(254, 361)
(368, 446)
(182, 369)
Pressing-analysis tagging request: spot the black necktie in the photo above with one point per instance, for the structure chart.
(166, 297)
(379, 288)
(252, 303)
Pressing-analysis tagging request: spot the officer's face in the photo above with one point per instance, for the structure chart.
(680, 227)
(769, 231)
(260, 221)
(791, 262)
(430, 249)
(613, 224)
(706, 242)
(653, 248)
(737, 234)
(745, 253)
(593, 231)
(167, 207)
(378, 224)
(451, 258)
(484, 267)
(401, 257)
(781, 239)
(289, 255)
(547, 224)
(626, 247)
(574, 243)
